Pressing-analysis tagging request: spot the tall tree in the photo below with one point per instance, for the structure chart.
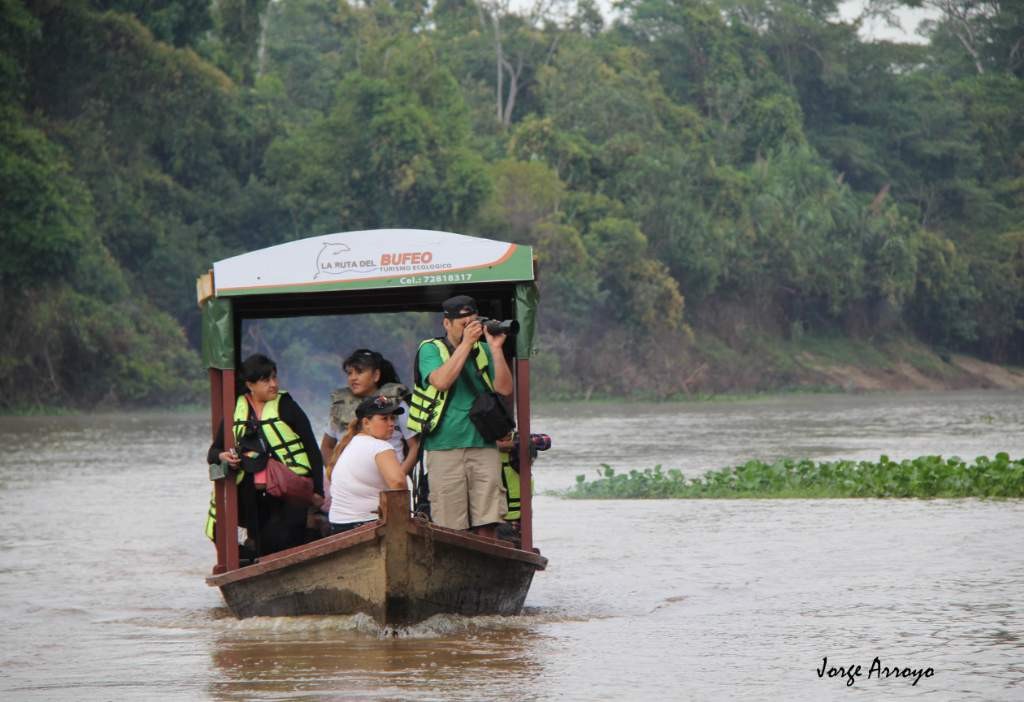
(238, 37)
(522, 41)
(392, 152)
(178, 22)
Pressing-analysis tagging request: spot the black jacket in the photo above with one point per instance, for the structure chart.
(292, 415)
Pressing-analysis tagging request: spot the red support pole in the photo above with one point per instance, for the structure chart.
(222, 407)
(215, 408)
(227, 393)
(525, 460)
(216, 415)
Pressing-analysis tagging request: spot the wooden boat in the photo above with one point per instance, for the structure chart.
(400, 569)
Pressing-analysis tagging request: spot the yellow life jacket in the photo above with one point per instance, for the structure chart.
(510, 479)
(211, 513)
(280, 439)
(427, 406)
(211, 518)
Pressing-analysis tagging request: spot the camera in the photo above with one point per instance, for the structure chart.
(496, 327)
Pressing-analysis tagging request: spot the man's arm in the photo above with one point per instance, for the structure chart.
(411, 439)
(412, 450)
(502, 373)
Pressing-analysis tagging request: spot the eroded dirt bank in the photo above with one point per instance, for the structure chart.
(960, 372)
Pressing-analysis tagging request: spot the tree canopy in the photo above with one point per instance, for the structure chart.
(684, 164)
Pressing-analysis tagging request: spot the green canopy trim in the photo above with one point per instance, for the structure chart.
(218, 344)
(527, 299)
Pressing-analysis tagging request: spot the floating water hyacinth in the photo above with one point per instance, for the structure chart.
(927, 476)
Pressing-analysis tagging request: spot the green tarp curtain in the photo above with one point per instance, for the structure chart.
(527, 299)
(218, 334)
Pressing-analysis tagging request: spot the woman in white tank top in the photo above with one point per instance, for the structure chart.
(367, 465)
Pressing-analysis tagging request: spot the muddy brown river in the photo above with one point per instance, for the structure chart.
(102, 560)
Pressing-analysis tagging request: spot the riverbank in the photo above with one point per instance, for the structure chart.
(839, 364)
(102, 408)
(744, 359)
(710, 369)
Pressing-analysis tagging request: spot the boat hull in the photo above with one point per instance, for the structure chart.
(399, 571)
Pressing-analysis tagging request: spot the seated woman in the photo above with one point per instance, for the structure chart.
(363, 464)
(268, 422)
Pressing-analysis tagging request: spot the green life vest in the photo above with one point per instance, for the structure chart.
(510, 479)
(211, 518)
(428, 403)
(281, 440)
(211, 513)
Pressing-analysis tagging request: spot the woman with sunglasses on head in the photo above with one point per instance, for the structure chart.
(364, 463)
(369, 374)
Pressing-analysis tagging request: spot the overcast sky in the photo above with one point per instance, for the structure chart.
(875, 29)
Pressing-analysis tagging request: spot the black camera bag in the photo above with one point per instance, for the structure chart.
(489, 414)
(490, 417)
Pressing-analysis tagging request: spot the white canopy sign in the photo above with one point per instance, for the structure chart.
(373, 258)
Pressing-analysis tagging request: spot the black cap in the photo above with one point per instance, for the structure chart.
(459, 306)
(378, 405)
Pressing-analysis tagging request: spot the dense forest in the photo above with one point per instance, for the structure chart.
(697, 176)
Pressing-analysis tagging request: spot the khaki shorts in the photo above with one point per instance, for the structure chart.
(465, 487)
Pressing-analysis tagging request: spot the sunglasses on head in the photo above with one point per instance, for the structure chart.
(364, 358)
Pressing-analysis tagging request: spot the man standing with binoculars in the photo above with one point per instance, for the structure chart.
(463, 467)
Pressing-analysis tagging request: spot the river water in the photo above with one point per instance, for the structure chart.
(102, 561)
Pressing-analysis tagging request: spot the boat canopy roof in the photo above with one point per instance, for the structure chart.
(381, 270)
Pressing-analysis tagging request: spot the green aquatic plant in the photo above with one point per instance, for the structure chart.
(927, 476)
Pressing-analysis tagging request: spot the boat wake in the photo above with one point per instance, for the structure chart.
(362, 625)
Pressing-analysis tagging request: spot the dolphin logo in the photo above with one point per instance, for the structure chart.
(335, 259)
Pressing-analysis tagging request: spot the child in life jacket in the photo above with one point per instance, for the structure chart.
(509, 448)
